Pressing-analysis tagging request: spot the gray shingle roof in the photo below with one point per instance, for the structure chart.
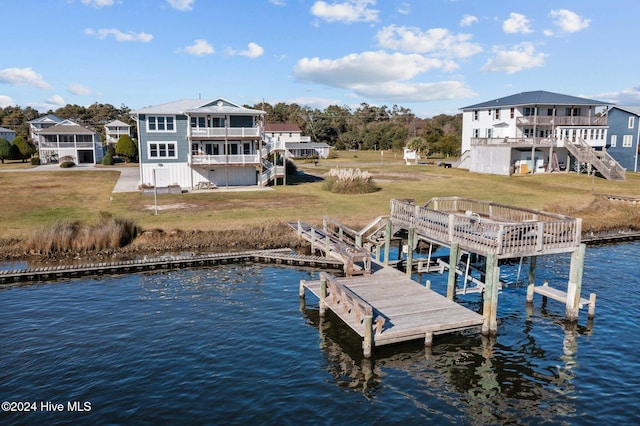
(538, 97)
(629, 108)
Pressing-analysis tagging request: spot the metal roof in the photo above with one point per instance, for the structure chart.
(198, 106)
(117, 123)
(66, 127)
(49, 118)
(628, 108)
(538, 97)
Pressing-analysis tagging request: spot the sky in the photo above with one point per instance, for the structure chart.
(430, 56)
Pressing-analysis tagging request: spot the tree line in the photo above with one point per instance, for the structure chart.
(366, 127)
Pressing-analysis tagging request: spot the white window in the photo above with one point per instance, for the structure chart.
(475, 115)
(489, 133)
(614, 140)
(627, 141)
(162, 150)
(631, 122)
(476, 133)
(161, 123)
(497, 114)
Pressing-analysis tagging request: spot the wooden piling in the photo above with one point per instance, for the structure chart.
(323, 296)
(301, 289)
(428, 339)
(367, 343)
(575, 283)
(490, 297)
(454, 252)
(532, 276)
(410, 242)
(387, 241)
(592, 305)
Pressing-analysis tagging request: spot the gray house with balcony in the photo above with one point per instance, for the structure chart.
(69, 141)
(195, 143)
(536, 132)
(624, 136)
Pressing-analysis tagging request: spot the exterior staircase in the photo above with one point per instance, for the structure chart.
(605, 164)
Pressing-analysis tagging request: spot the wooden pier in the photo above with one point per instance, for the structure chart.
(51, 273)
(387, 307)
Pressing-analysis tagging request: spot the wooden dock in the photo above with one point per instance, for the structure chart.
(388, 307)
(51, 273)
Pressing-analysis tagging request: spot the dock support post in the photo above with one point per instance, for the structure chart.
(323, 296)
(454, 252)
(368, 336)
(490, 302)
(575, 283)
(592, 305)
(428, 339)
(387, 242)
(301, 289)
(410, 240)
(532, 276)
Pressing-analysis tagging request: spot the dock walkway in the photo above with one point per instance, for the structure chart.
(400, 308)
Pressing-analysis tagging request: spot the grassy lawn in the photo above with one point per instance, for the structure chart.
(36, 199)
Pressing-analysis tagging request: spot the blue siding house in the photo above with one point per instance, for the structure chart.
(195, 143)
(624, 136)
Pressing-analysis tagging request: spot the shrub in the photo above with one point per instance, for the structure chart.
(349, 181)
(35, 161)
(107, 160)
(67, 164)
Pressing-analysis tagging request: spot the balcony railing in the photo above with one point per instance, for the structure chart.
(243, 159)
(545, 120)
(221, 132)
(522, 141)
(58, 145)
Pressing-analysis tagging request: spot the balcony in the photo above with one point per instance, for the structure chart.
(546, 120)
(515, 142)
(221, 132)
(221, 160)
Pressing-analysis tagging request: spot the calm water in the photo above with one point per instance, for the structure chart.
(232, 345)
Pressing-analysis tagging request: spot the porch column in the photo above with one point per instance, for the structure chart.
(387, 242)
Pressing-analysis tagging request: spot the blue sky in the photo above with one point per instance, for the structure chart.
(432, 56)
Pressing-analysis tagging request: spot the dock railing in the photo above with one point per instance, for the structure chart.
(487, 227)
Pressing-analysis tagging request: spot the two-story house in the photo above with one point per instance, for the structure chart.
(113, 131)
(69, 141)
(194, 143)
(538, 131)
(297, 146)
(624, 136)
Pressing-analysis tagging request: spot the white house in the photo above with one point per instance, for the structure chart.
(114, 130)
(69, 141)
(298, 146)
(538, 131)
(41, 123)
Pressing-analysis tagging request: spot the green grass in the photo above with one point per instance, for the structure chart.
(36, 199)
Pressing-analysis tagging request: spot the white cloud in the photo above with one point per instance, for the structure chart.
(199, 48)
(404, 9)
(367, 68)
(98, 3)
(182, 5)
(56, 100)
(521, 57)
(416, 92)
(628, 96)
(6, 101)
(568, 21)
(118, 35)
(516, 24)
(277, 2)
(438, 41)
(468, 20)
(80, 90)
(23, 77)
(381, 75)
(346, 11)
(253, 51)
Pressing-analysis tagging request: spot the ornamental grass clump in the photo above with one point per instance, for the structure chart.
(74, 237)
(349, 181)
